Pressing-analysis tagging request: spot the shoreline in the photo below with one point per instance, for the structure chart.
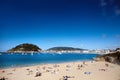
(89, 70)
(29, 65)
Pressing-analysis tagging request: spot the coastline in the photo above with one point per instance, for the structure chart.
(90, 70)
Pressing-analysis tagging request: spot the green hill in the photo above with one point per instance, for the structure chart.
(25, 47)
(64, 49)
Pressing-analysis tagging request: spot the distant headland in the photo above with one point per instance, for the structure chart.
(27, 47)
(65, 49)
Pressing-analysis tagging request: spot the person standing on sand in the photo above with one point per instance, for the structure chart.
(78, 66)
(38, 73)
(106, 65)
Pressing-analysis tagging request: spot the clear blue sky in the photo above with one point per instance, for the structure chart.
(90, 24)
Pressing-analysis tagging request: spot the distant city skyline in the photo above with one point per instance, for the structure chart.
(88, 24)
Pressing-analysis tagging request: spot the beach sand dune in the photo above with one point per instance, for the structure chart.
(73, 70)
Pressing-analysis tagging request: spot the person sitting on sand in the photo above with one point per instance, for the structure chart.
(38, 73)
(102, 69)
(81, 65)
(65, 77)
(84, 63)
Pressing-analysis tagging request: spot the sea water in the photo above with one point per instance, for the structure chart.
(17, 59)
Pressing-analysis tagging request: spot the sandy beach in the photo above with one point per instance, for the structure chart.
(90, 70)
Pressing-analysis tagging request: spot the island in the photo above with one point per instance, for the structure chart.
(25, 47)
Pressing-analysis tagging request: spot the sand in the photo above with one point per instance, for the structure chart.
(90, 70)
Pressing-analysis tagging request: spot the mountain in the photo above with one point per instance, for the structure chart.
(65, 49)
(25, 47)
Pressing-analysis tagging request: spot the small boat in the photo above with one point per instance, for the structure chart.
(32, 53)
(59, 52)
(23, 53)
(12, 53)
